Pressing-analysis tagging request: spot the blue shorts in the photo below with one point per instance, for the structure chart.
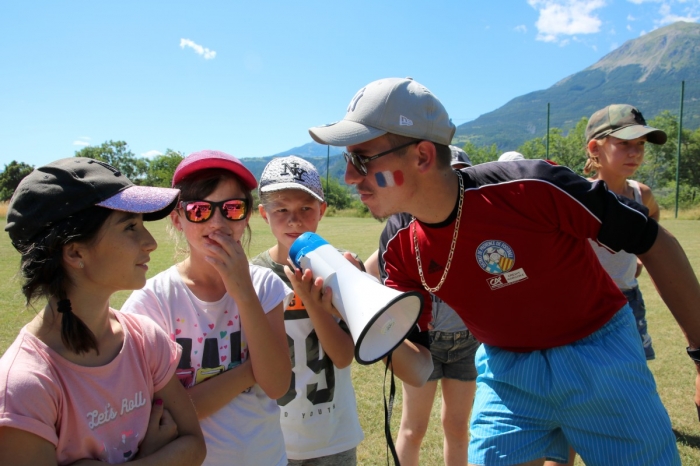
(596, 394)
(634, 297)
(453, 355)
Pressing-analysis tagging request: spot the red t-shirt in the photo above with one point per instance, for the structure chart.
(523, 276)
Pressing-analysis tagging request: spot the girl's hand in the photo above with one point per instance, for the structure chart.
(228, 258)
(161, 430)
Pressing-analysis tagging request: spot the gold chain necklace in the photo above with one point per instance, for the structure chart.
(452, 246)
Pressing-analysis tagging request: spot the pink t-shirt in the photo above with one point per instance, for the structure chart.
(87, 412)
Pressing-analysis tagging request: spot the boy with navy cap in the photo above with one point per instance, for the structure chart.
(506, 246)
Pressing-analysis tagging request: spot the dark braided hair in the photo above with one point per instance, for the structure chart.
(45, 276)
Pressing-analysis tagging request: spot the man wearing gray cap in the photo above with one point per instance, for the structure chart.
(506, 246)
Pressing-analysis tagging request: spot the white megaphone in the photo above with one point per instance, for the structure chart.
(379, 318)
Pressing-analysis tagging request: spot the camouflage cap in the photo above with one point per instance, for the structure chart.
(624, 122)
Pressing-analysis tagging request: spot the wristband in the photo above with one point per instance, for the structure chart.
(694, 354)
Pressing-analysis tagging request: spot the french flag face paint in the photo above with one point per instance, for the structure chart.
(388, 179)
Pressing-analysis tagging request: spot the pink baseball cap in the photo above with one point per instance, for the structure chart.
(204, 159)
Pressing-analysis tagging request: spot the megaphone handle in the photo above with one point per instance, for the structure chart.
(387, 412)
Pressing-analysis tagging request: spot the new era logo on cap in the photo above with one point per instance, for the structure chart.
(403, 121)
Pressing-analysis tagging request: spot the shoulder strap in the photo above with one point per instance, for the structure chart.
(635, 189)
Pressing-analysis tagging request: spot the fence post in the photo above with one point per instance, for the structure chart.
(547, 156)
(678, 152)
(328, 166)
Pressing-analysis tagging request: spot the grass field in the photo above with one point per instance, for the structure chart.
(673, 371)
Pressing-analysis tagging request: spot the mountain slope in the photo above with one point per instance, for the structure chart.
(645, 72)
(316, 154)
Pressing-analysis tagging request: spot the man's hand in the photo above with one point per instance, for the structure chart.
(348, 255)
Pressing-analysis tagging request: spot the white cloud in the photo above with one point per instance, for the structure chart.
(151, 153)
(198, 49)
(82, 141)
(560, 18)
(521, 28)
(690, 13)
(667, 17)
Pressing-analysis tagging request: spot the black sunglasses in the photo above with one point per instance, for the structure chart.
(360, 163)
(201, 211)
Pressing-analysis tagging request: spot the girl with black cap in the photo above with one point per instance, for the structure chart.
(83, 382)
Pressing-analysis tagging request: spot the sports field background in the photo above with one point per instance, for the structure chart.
(672, 369)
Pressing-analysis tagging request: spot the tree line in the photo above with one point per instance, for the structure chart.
(658, 170)
(155, 171)
(158, 171)
(568, 149)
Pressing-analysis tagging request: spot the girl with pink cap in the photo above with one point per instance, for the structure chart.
(225, 313)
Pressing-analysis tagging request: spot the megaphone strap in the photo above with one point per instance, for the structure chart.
(387, 412)
(452, 246)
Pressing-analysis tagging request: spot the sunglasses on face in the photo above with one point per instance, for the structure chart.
(360, 163)
(201, 211)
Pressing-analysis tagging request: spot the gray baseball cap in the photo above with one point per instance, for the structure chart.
(393, 105)
(291, 172)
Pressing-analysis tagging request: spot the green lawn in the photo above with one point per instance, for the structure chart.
(673, 371)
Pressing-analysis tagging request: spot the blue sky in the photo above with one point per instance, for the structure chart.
(250, 78)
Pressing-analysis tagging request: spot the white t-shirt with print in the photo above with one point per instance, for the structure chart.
(247, 430)
(319, 412)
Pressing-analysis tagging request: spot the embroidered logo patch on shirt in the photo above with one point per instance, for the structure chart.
(497, 258)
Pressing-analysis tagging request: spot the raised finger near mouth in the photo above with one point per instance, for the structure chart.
(221, 238)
